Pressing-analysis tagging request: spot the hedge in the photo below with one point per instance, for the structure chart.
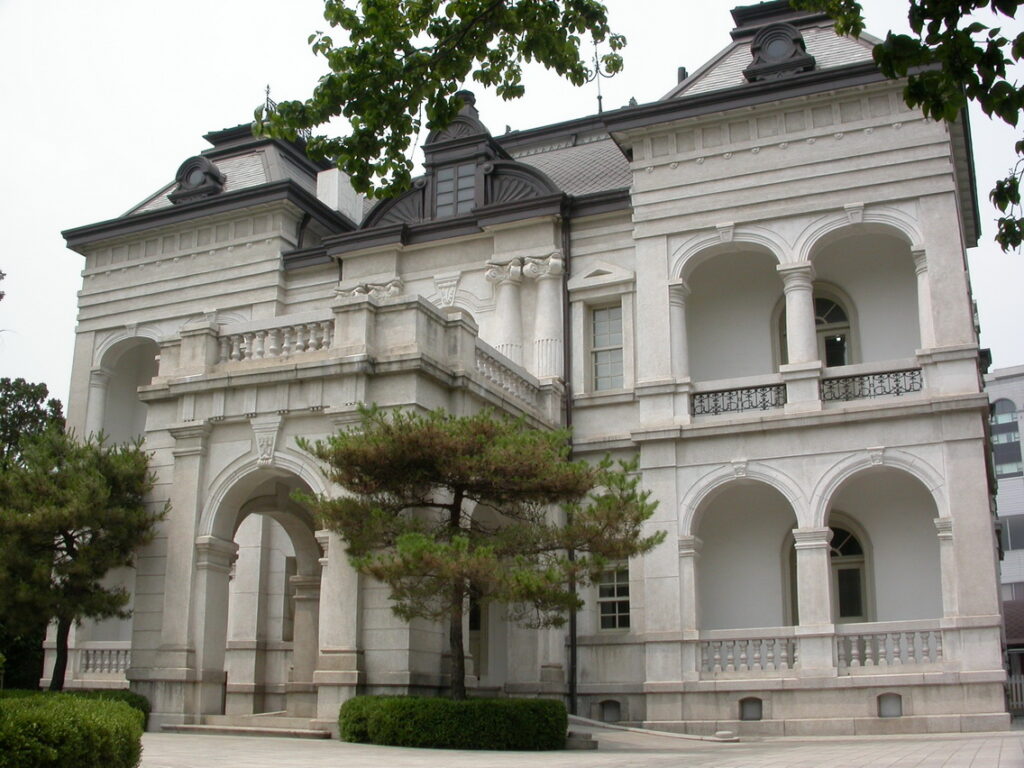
(59, 730)
(506, 724)
(133, 700)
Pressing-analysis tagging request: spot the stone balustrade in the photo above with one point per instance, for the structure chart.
(510, 378)
(749, 654)
(103, 661)
(887, 649)
(278, 337)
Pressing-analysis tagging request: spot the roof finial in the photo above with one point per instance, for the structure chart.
(597, 74)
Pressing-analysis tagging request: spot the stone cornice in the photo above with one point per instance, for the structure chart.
(288, 190)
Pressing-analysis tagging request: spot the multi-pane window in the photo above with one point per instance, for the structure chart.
(613, 598)
(455, 190)
(1013, 532)
(606, 347)
(1014, 591)
(1006, 453)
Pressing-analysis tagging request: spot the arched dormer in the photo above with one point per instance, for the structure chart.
(465, 170)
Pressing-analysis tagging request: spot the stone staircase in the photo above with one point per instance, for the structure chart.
(264, 724)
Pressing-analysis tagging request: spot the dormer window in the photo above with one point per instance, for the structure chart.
(455, 190)
(778, 50)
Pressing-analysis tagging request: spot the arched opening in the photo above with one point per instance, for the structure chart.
(888, 516)
(751, 708)
(728, 313)
(874, 270)
(740, 577)
(263, 637)
(890, 705)
(610, 711)
(130, 364)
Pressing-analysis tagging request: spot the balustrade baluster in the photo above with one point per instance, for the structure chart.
(870, 658)
(274, 342)
(897, 652)
(784, 657)
(261, 337)
(236, 347)
(327, 333)
(314, 337)
(744, 646)
(769, 653)
(730, 655)
(717, 645)
(840, 646)
(937, 645)
(757, 654)
(300, 338)
(854, 650)
(247, 346)
(223, 349)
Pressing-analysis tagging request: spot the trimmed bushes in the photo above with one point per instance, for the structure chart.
(61, 730)
(133, 700)
(512, 724)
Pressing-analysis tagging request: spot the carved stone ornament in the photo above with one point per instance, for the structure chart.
(446, 286)
(550, 266)
(265, 429)
(778, 51)
(504, 273)
(376, 290)
(197, 178)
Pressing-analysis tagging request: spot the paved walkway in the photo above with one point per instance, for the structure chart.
(619, 749)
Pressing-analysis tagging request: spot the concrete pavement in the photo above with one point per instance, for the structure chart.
(617, 748)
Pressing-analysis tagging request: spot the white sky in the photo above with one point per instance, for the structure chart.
(103, 99)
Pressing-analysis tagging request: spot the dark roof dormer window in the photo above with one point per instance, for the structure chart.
(197, 178)
(454, 190)
(778, 51)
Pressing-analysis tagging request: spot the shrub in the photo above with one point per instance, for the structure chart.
(44, 731)
(507, 724)
(133, 700)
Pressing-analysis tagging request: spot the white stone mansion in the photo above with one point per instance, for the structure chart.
(756, 283)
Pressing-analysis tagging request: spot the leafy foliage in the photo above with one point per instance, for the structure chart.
(39, 731)
(441, 505)
(70, 512)
(950, 60)
(406, 59)
(25, 411)
(406, 721)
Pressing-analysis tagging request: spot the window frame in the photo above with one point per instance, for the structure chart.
(594, 351)
(615, 571)
(617, 289)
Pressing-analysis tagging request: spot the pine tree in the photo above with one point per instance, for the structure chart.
(416, 481)
(69, 513)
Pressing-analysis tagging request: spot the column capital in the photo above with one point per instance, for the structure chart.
(944, 527)
(678, 291)
(100, 377)
(812, 538)
(920, 260)
(511, 272)
(216, 554)
(546, 267)
(796, 276)
(690, 546)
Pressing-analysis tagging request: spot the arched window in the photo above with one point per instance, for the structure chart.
(848, 583)
(832, 325)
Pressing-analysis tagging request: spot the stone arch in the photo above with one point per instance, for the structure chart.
(878, 219)
(242, 475)
(707, 487)
(122, 339)
(845, 468)
(703, 247)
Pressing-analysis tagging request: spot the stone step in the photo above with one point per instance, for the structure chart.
(578, 740)
(263, 720)
(236, 730)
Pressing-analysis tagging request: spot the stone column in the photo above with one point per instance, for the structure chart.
(689, 605)
(677, 293)
(509, 332)
(947, 563)
(99, 378)
(214, 557)
(924, 299)
(300, 693)
(803, 371)
(547, 321)
(801, 336)
(814, 576)
(339, 663)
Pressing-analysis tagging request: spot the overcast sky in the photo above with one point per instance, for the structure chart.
(103, 99)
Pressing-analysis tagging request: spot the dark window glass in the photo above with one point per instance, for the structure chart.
(850, 605)
(1013, 532)
(835, 349)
